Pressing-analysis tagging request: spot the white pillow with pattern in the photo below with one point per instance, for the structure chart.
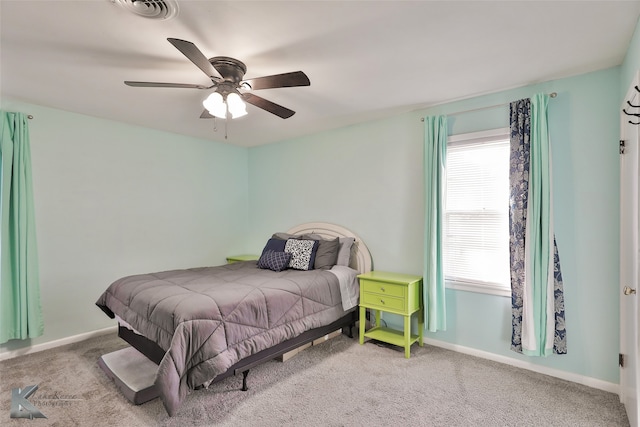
(301, 251)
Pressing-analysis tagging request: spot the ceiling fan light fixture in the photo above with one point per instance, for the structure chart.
(236, 106)
(215, 105)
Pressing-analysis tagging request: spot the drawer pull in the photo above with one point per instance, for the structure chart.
(382, 289)
(382, 301)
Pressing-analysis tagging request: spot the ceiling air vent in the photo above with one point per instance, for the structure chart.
(152, 9)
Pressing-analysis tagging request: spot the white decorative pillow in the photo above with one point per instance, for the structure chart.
(301, 253)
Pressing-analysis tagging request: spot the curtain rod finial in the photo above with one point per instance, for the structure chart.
(553, 94)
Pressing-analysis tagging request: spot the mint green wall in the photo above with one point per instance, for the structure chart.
(113, 199)
(369, 178)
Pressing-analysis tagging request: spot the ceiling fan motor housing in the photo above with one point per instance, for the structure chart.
(229, 68)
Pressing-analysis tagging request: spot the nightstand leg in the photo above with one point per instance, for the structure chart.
(421, 327)
(363, 320)
(407, 336)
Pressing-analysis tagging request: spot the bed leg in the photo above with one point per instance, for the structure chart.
(348, 331)
(244, 380)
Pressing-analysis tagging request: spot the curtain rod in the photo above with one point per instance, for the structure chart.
(551, 95)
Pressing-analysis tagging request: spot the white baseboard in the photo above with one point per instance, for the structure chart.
(56, 343)
(568, 376)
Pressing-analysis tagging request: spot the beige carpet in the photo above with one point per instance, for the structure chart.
(337, 383)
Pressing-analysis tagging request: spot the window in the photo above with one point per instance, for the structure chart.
(476, 221)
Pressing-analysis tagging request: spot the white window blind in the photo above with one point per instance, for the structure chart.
(476, 222)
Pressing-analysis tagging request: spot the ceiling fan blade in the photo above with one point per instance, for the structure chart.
(295, 78)
(205, 115)
(190, 50)
(269, 106)
(156, 84)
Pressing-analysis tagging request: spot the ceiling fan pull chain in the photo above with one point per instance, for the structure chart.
(226, 121)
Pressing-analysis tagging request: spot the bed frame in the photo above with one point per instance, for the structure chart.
(155, 353)
(361, 261)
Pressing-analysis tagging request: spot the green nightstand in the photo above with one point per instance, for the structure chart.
(236, 258)
(393, 293)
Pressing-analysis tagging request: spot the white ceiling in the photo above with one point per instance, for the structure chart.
(365, 59)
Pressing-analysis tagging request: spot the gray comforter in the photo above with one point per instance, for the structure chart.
(209, 318)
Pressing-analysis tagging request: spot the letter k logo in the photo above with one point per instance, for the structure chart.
(21, 407)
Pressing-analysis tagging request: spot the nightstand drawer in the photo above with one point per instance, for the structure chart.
(383, 302)
(383, 288)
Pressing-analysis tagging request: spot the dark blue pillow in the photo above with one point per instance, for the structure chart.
(276, 261)
(275, 245)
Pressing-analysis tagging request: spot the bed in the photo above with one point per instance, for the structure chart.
(204, 324)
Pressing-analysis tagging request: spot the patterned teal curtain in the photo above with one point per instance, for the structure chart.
(20, 311)
(435, 155)
(537, 297)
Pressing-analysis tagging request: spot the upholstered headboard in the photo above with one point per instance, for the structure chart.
(331, 231)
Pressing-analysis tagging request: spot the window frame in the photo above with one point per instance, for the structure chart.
(478, 286)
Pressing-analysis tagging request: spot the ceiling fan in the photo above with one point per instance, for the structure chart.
(226, 76)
